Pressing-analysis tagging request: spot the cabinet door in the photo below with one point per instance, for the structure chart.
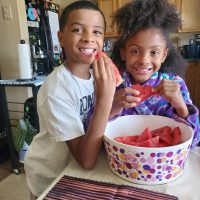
(172, 1)
(190, 76)
(108, 8)
(190, 14)
(123, 2)
(197, 88)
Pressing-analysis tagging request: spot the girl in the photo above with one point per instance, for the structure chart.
(67, 96)
(143, 53)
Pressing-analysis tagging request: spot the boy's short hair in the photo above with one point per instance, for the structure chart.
(78, 5)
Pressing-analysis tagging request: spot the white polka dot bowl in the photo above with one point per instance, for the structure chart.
(146, 165)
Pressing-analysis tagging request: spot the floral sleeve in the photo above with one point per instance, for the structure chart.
(193, 118)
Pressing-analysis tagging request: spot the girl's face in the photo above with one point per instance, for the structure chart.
(144, 53)
(82, 36)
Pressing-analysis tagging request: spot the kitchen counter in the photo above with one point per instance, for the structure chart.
(185, 187)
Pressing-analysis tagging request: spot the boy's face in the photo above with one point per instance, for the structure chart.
(144, 53)
(82, 36)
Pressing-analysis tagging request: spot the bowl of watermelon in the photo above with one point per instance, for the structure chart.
(147, 149)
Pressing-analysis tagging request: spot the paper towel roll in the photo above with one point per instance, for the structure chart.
(24, 59)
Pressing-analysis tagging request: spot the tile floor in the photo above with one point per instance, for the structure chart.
(12, 186)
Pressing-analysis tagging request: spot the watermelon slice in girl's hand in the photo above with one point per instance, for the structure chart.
(145, 91)
(118, 77)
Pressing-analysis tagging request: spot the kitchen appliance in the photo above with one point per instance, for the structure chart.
(191, 51)
(43, 24)
(197, 38)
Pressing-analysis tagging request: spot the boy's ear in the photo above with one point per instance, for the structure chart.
(60, 38)
(122, 54)
(165, 54)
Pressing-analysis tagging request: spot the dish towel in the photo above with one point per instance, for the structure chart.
(71, 188)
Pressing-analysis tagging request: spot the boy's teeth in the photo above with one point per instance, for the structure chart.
(87, 50)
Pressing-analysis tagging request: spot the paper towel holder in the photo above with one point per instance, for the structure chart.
(25, 79)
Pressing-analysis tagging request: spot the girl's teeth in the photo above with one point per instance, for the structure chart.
(143, 70)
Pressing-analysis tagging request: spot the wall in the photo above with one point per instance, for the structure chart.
(182, 38)
(64, 3)
(11, 32)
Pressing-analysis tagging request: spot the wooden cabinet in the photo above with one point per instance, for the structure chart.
(192, 78)
(109, 7)
(189, 11)
(172, 1)
(123, 2)
(190, 15)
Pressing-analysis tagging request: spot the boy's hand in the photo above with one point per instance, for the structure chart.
(170, 90)
(105, 82)
(118, 77)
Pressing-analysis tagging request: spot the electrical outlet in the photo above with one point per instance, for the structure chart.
(7, 14)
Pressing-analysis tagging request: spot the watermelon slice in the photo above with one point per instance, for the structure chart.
(118, 77)
(163, 144)
(161, 137)
(145, 91)
(146, 135)
(176, 134)
(132, 138)
(164, 133)
(153, 142)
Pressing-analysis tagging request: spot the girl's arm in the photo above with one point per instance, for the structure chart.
(171, 91)
(124, 98)
(192, 118)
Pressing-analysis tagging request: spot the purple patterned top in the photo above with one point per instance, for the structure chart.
(157, 105)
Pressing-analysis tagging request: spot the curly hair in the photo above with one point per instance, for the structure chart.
(143, 14)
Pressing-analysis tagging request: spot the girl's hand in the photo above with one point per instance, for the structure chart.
(170, 90)
(124, 98)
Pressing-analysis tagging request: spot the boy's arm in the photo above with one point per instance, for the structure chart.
(86, 148)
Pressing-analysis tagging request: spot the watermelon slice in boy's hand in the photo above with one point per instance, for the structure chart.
(118, 77)
(145, 91)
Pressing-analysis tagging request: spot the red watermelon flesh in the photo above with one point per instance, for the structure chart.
(118, 77)
(176, 134)
(163, 144)
(161, 137)
(132, 138)
(164, 133)
(153, 142)
(146, 135)
(145, 91)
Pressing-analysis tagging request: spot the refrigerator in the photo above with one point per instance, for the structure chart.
(43, 25)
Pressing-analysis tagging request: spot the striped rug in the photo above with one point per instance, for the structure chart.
(70, 188)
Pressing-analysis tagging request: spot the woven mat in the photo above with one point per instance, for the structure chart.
(70, 188)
